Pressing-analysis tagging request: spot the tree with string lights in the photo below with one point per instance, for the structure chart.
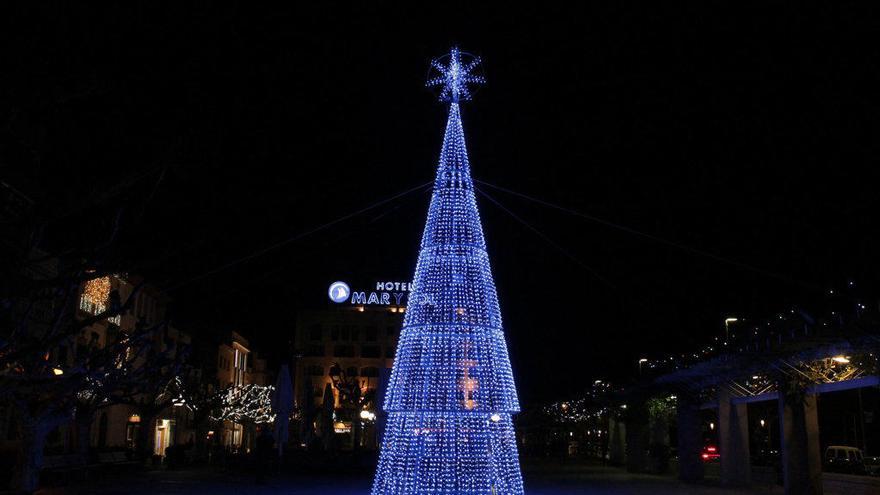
(250, 403)
(48, 390)
(53, 370)
(451, 394)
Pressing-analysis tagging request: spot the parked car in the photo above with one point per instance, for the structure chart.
(872, 465)
(844, 459)
(767, 457)
(710, 454)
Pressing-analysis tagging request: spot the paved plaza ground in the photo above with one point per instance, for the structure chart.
(583, 479)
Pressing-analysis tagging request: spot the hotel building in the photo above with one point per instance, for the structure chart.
(361, 340)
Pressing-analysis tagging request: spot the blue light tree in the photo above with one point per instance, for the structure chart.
(451, 393)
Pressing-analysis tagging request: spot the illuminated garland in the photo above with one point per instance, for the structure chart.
(451, 393)
(788, 326)
(592, 407)
(246, 403)
(95, 296)
(97, 291)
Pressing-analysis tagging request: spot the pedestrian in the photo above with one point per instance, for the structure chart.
(265, 452)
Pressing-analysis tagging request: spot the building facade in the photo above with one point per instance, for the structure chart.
(345, 343)
(237, 366)
(119, 426)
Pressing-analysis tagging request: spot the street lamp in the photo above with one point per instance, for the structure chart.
(641, 362)
(727, 322)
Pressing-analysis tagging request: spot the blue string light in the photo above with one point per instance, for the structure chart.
(451, 393)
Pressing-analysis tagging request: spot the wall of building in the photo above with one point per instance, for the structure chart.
(361, 340)
(112, 426)
(231, 362)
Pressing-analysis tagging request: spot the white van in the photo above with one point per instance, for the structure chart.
(844, 459)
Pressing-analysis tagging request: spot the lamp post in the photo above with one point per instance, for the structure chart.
(641, 362)
(727, 322)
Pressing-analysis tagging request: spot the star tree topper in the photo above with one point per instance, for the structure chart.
(453, 73)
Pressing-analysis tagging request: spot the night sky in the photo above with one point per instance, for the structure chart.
(746, 132)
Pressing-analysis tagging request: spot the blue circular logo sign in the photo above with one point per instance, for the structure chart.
(339, 292)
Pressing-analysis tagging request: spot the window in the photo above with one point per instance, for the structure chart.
(316, 332)
(371, 351)
(371, 333)
(351, 371)
(131, 433)
(370, 372)
(334, 333)
(11, 427)
(389, 351)
(62, 354)
(390, 331)
(343, 350)
(88, 303)
(239, 364)
(315, 370)
(354, 333)
(314, 350)
(4, 422)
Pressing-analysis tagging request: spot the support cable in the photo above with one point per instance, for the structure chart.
(655, 238)
(547, 239)
(291, 239)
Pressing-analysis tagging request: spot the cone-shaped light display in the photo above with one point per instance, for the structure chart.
(451, 393)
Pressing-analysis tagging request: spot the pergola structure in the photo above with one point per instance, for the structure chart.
(790, 360)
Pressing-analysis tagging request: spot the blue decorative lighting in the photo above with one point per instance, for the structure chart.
(453, 73)
(451, 393)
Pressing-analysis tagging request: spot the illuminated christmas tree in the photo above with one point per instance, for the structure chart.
(451, 393)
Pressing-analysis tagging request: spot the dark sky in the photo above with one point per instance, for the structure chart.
(748, 131)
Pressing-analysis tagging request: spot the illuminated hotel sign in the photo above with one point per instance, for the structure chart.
(386, 294)
(339, 292)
